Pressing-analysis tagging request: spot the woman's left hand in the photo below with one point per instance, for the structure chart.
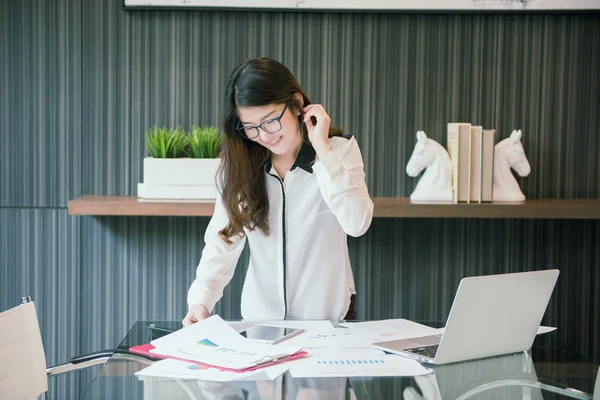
(318, 134)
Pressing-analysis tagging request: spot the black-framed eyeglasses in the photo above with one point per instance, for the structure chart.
(270, 126)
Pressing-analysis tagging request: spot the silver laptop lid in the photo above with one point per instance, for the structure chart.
(495, 314)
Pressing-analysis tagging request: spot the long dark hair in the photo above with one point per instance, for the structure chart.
(255, 82)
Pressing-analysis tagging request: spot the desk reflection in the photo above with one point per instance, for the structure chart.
(284, 387)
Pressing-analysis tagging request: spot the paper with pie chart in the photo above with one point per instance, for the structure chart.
(333, 338)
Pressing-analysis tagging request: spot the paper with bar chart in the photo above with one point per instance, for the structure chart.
(355, 363)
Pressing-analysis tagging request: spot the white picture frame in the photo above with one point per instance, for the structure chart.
(373, 5)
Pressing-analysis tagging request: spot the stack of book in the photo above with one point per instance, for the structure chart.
(471, 150)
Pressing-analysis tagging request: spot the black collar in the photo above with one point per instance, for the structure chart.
(306, 157)
(304, 160)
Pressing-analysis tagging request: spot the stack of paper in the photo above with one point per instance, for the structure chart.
(212, 342)
(212, 350)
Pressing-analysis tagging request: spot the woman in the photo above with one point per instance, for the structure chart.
(294, 188)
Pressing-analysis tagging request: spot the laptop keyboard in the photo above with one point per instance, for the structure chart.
(427, 351)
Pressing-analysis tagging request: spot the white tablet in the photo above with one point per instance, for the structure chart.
(270, 334)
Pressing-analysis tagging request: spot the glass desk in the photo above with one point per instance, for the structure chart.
(550, 370)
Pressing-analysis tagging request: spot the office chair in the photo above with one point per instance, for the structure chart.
(23, 371)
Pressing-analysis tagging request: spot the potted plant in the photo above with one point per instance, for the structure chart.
(181, 165)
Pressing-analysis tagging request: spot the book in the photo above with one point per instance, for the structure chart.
(476, 150)
(459, 149)
(487, 164)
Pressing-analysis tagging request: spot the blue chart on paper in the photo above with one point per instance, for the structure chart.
(208, 343)
(339, 362)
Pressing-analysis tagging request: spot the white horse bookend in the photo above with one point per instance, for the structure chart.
(436, 183)
(508, 154)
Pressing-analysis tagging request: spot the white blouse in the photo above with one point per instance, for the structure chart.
(302, 269)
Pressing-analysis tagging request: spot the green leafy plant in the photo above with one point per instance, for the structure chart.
(204, 142)
(166, 143)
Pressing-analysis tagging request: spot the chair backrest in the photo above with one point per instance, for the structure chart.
(22, 358)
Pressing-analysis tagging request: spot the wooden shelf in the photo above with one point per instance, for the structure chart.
(385, 207)
(535, 209)
(132, 205)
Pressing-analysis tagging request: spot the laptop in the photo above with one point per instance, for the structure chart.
(491, 315)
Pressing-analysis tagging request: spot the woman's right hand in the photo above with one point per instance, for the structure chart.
(196, 313)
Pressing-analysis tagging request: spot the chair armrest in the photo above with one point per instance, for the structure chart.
(92, 356)
(70, 367)
(97, 358)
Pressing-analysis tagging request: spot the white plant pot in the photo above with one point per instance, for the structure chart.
(180, 171)
(177, 192)
(179, 178)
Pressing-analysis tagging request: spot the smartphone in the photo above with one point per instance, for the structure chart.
(270, 334)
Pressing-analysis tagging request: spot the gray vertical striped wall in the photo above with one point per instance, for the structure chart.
(82, 80)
